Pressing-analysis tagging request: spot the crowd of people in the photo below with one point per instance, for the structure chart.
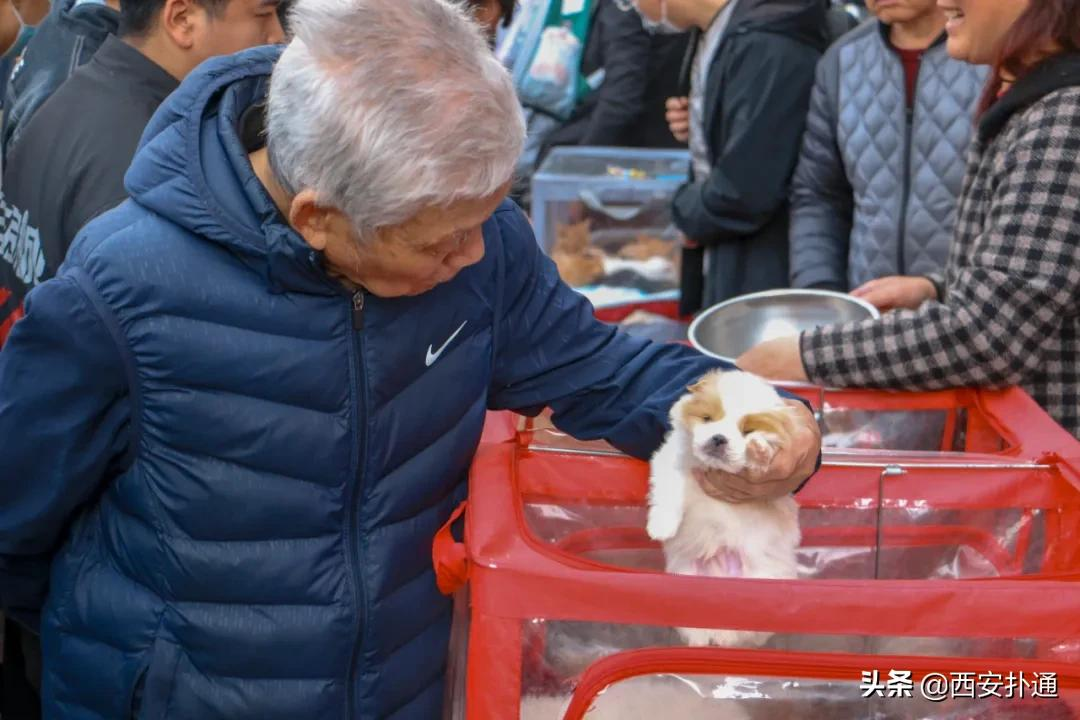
(232, 228)
(889, 163)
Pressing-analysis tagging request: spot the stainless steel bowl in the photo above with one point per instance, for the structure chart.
(731, 328)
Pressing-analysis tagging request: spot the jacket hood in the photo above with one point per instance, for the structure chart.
(802, 20)
(1052, 74)
(192, 168)
(94, 18)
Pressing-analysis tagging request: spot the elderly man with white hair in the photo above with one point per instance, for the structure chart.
(232, 424)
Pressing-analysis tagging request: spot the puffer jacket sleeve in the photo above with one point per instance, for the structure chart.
(821, 195)
(754, 138)
(551, 351)
(1019, 287)
(64, 423)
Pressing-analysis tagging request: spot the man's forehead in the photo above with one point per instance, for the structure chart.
(439, 223)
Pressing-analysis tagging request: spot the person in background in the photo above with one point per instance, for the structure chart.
(750, 89)
(283, 9)
(1009, 311)
(874, 195)
(253, 392)
(10, 26)
(62, 173)
(491, 14)
(18, 20)
(16, 32)
(639, 69)
(69, 163)
(66, 39)
(11, 30)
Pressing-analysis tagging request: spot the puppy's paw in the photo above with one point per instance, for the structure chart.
(759, 451)
(663, 524)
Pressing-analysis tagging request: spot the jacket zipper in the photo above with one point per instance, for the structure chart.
(353, 511)
(905, 193)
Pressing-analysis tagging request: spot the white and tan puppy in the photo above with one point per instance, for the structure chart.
(733, 422)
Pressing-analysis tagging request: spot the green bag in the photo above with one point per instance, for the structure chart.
(548, 75)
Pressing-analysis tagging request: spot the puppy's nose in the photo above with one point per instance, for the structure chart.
(718, 443)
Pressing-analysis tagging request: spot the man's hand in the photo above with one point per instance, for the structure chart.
(678, 117)
(896, 292)
(778, 359)
(790, 467)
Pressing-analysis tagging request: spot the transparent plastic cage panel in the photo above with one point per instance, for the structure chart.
(735, 697)
(912, 543)
(632, 265)
(456, 659)
(558, 652)
(621, 192)
(922, 430)
(615, 218)
(616, 163)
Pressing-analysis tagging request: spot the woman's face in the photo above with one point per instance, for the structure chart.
(977, 28)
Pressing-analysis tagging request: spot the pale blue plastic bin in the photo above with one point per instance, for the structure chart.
(621, 190)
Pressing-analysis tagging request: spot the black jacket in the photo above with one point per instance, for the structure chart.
(757, 98)
(68, 166)
(64, 41)
(640, 72)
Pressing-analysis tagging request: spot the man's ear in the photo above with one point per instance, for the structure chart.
(309, 219)
(180, 19)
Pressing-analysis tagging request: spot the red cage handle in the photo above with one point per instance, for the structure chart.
(449, 557)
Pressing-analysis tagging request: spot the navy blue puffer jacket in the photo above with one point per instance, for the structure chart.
(234, 477)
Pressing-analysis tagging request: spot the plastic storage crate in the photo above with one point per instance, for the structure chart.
(929, 562)
(617, 203)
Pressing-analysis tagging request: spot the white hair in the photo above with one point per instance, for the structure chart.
(385, 108)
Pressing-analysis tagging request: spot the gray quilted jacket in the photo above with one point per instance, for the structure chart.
(875, 190)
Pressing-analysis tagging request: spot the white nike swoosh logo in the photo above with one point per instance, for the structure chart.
(433, 356)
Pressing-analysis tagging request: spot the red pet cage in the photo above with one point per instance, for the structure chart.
(954, 556)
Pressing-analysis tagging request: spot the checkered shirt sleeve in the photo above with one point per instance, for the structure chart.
(1013, 279)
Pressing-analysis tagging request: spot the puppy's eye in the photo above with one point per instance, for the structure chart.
(706, 418)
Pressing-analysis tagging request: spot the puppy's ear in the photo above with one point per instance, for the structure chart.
(699, 386)
(777, 422)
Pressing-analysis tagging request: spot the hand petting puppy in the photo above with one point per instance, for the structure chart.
(791, 465)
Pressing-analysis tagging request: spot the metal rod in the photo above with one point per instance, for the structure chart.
(829, 463)
(576, 451)
(891, 471)
(940, 466)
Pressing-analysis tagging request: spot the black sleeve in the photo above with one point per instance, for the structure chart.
(620, 100)
(98, 188)
(765, 81)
